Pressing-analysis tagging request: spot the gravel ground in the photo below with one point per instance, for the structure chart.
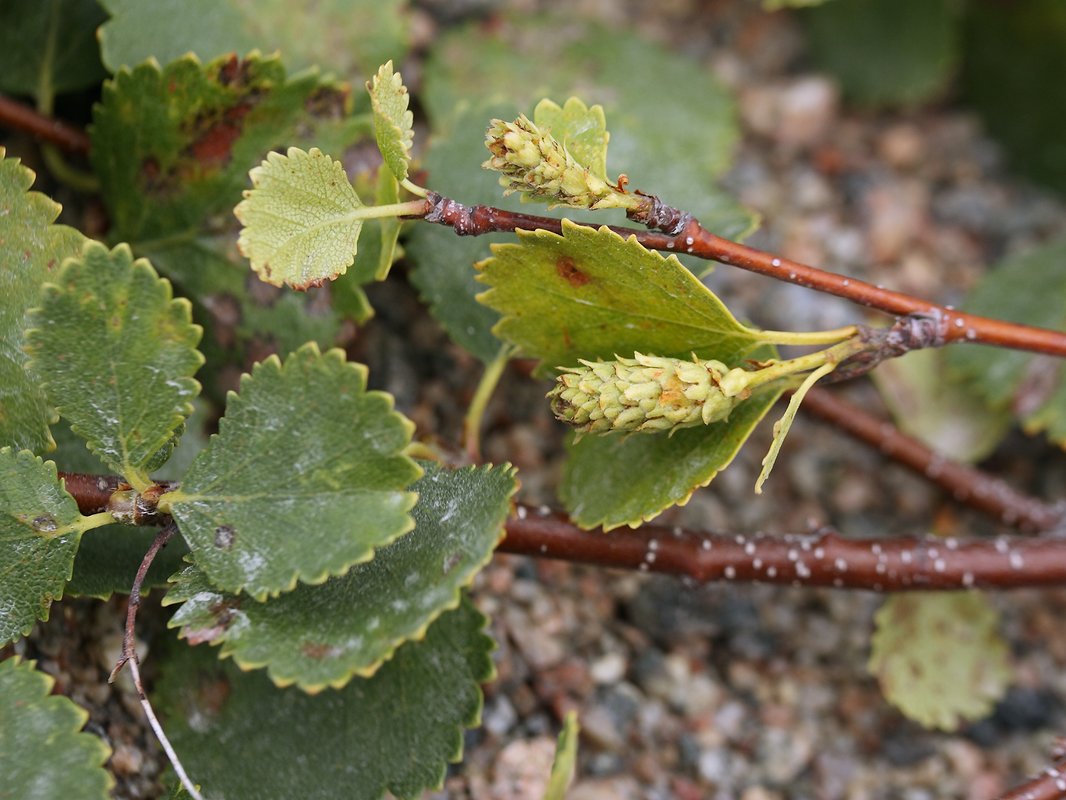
(748, 692)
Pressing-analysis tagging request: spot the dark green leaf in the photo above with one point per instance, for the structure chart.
(39, 532)
(394, 731)
(173, 148)
(592, 294)
(301, 222)
(885, 51)
(43, 753)
(349, 37)
(1013, 57)
(49, 46)
(1029, 289)
(939, 657)
(108, 559)
(600, 485)
(304, 479)
(316, 636)
(116, 355)
(32, 252)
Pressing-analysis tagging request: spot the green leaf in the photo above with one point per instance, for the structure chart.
(43, 753)
(592, 294)
(601, 487)
(318, 636)
(32, 252)
(885, 51)
(565, 759)
(393, 123)
(1012, 57)
(116, 354)
(673, 126)
(394, 731)
(580, 129)
(39, 532)
(951, 419)
(300, 219)
(1031, 289)
(305, 477)
(348, 37)
(49, 46)
(108, 560)
(939, 657)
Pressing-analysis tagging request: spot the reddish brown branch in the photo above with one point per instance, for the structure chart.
(821, 559)
(1049, 785)
(966, 484)
(22, 117)
(133, 603)
(952, 326)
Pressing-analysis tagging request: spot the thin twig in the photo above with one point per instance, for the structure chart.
(824, 558)
(92, 492)
(24, 118)
(129, 656)
(952, 325)
(965, 484)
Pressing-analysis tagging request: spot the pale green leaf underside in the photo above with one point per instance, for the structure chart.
(602, 483)
(43, 753)
(305, 477)
(592, 294)
(299, 226)
(116, 354)
(38, 540)
(396, 730)
(565, 763)
(939, 656)
(1031, 289)
(393, 122)
(33, 248)
(581, 130)
(322, 635)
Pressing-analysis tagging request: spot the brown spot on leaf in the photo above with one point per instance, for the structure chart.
(45, 523)
(451, 561)
(225, 536)
(214, 146)
(212, 694)
(328, 102)
(223, 613)
(568, 271)
(317, 650)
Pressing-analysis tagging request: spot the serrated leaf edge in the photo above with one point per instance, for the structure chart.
(228, 650)
(403, 128)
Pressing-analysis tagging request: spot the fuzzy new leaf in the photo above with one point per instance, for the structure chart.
(395, 731)
(39, 534)
(592, 294)
(301, 223)
(43, 752)
(305, 477)
(939, 657)
(116, 354)
(33, 250)
(581, 129)
(393, 122)
(318, 636)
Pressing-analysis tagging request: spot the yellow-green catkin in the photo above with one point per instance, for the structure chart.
(647, 393)
(535, 163)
